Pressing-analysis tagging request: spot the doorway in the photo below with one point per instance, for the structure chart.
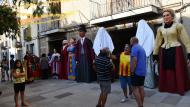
(120, 38)
(55, 45)
(55, 41)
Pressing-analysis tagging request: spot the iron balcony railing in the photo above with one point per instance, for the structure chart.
(105, 8)
(48, 24)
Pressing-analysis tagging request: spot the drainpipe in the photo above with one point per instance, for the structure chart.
(181, 19)
(38, 39)
(111, 6)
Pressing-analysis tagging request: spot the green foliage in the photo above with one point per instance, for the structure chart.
(25, 1)
(9, 24)
(18, 45)
(27, 34)
(39, 10)
(34, 1)
(28, 38)
(54, 8)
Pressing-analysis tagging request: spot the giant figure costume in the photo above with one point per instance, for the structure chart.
(84, 58)
(64, 60)
(173, 75)
(145, 36)
(71, 64)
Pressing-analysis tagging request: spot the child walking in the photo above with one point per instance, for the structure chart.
(19, 76)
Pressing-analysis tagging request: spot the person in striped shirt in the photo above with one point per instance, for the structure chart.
(124, 72)
(103, 67)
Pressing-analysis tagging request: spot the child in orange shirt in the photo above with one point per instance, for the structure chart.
(124, 72)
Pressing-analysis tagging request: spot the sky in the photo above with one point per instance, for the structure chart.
(10, 2)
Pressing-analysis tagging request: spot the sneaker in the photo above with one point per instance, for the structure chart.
(132, 96)
(123, 100)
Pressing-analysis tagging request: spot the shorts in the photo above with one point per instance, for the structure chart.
(137, 80)
(19, 87)
(105, 86)
(124, 81)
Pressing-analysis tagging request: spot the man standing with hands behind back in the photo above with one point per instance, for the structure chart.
(138, 70)
(84, 58)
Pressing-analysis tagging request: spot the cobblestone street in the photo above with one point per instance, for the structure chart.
(62, 93)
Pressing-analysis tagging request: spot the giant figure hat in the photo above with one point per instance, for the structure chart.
(82, 28)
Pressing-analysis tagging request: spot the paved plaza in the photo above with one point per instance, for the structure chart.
(63, 93)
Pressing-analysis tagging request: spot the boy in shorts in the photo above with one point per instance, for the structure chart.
(124, 73)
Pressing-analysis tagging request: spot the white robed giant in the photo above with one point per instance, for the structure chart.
(102, 40)
(145, 36)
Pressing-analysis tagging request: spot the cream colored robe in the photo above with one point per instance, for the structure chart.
(172, 37)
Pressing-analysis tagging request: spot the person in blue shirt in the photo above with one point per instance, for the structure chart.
(138, 70)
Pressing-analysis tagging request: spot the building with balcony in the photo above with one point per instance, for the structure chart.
(119, 17)
(64, 25)
(30, 26)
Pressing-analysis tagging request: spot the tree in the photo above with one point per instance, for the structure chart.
(9, 23)
(39, 9)
(55, 8)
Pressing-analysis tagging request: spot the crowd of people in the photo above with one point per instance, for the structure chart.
(73, 63)
(82, 62)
